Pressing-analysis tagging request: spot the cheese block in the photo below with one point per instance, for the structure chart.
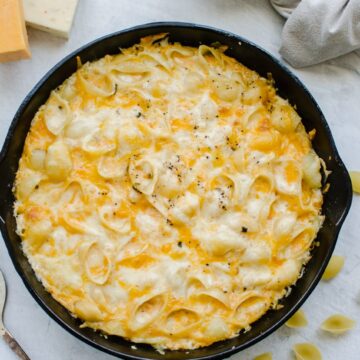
(13, 37)
(53, 16)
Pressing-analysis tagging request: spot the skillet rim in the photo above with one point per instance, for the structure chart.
(339, 163)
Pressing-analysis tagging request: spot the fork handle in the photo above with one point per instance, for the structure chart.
(14, 346)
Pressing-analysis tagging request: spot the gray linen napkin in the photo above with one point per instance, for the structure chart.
(318, 30)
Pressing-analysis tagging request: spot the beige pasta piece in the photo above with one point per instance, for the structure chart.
(338, 324)
(335, 265)
(265, 356)
(355, 179)
(297, 320)
(307, 351)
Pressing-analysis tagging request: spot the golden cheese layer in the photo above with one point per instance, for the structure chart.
(168, 195)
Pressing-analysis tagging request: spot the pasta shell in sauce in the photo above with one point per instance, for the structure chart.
(147, 311)
(97, 264)
(181, 320)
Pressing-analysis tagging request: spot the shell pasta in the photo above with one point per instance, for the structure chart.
(335, 265)
(168, 195)
(307, 351)
(338, 324)
(298, 320)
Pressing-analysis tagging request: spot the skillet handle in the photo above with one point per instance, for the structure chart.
(4, 186)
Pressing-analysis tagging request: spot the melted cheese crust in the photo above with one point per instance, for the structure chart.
(168, 195)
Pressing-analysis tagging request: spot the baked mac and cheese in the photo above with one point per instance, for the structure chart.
(168, 195)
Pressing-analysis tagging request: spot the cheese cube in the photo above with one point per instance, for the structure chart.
(53, 16)
(13, 37)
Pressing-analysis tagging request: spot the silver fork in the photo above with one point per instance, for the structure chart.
(9, 339)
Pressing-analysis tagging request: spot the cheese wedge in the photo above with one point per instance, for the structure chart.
(13, 37)
(53, 16)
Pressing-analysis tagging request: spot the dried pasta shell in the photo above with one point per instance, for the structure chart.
(306, 351)
(338, 324)
(355, 180)
(297, 320)
(335, 265)
(265, 356)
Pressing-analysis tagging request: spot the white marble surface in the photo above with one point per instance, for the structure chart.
(336, 87)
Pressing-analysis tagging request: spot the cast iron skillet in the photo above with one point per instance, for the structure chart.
(336, 205)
